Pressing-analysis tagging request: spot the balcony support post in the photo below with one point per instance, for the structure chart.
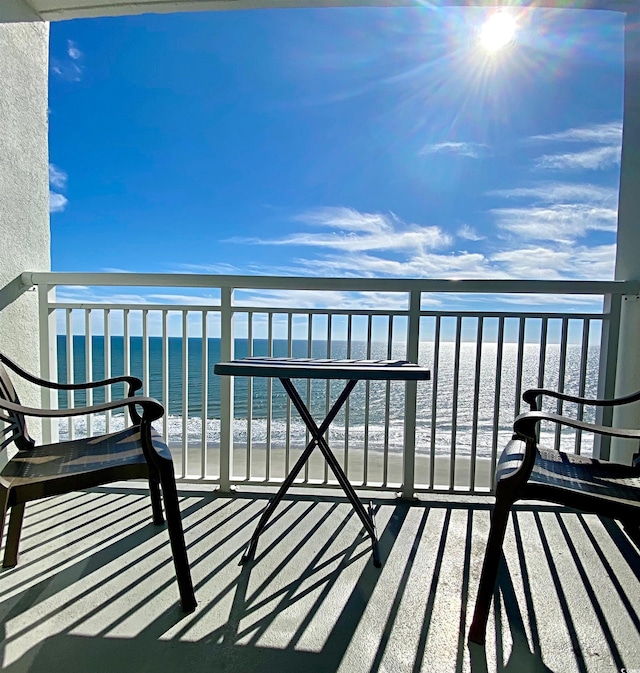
(607, 370)
(628, 240)
(226, 389)
(48, 358)
(411, 396)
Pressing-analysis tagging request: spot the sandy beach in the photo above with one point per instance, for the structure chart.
(381, 470)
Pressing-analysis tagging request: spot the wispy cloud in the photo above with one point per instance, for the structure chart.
(220, 268)
(597, 158)
(561, 262)
(72, 50)
(605, 134)
(422, 265)
(472, 150)
(58, 179)
(468, 233)
(329, 299)
(602, 147)
(564, 222)
(562, 192)
(355, 231)
(57, 202)
(70, 67)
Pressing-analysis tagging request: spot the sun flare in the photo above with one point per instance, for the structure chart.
(498, 31)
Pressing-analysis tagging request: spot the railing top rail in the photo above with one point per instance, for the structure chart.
(501, 286)
(336, 312)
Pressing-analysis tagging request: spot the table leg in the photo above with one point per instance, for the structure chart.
(367, 518)
(304, 457)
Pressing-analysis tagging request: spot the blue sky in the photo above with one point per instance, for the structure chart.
(336, 142)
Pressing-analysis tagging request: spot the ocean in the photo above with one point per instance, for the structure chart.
(465, 411)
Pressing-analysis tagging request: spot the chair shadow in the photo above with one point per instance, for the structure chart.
(521, 658)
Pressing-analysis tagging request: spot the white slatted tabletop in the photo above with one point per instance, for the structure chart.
(315, 368)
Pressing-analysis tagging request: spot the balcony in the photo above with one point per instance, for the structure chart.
(95, 588)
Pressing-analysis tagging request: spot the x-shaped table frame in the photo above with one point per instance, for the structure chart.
(318, 440)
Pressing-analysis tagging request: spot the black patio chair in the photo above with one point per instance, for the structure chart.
(528, 471)
(137, 452)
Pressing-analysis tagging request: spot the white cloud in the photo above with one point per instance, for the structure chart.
(564, 222)
(73, 51)
(472, 150)
(602, 147)
(596, 158)
(562, 192)
(359, 232)
(559, 263)
(469, 233)
(68, 68)
(57, 177)
(221, 268)
(326, 299)
(57, 202)
(422, 265)
(609, 133)
(182, 299)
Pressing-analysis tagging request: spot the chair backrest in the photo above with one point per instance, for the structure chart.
(15, 429)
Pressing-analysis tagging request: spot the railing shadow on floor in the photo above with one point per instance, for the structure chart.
(432, 548)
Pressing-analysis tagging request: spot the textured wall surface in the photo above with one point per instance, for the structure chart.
(24, 185)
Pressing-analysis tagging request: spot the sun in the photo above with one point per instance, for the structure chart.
(498, 31)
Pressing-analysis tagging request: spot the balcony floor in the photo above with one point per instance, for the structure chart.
(95, 590)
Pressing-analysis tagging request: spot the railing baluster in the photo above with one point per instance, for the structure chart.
(542, 359)
(165, 374)
(126, 363)
(584, 351)
(327, 398)
(268, 457)
(88, 360)
(347, 409)
(249, 452)
(434, 401)
(70, 371)
(205, 394)
(476, 401)
(226, 389)
(107, 366)
(287, 453)
(562, 366)
(308, 401)
(496, 401)
(519, 364)
(185, 393)
(454, 405)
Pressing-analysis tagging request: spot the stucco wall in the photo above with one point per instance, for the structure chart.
(24, 185)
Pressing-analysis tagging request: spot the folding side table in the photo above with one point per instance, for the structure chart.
(288, 369)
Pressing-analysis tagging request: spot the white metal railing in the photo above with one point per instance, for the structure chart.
(445, 434)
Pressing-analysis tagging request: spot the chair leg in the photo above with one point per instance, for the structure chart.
(490, 569)
(4, 500)
(176, 538)
(156, 502)
(13, 536)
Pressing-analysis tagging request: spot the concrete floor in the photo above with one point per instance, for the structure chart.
(95, 590)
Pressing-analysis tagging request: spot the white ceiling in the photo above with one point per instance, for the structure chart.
(57, 10)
